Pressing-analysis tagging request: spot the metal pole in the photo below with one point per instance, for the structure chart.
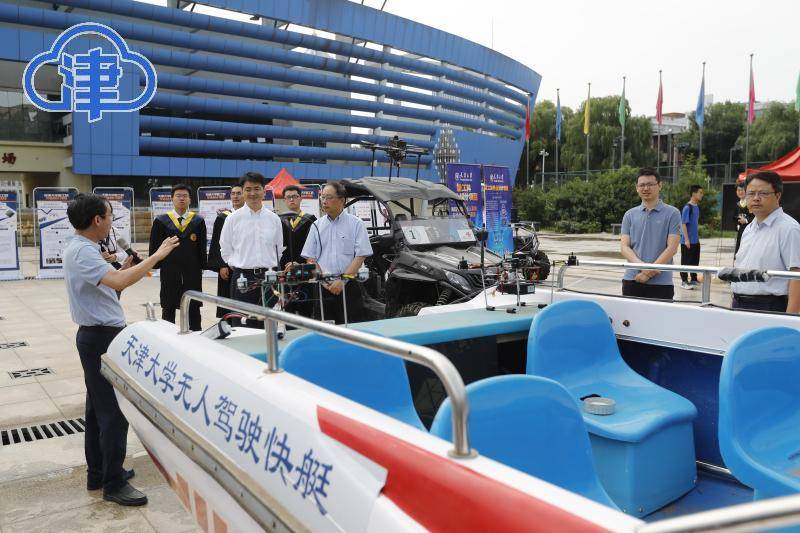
(344, 300)
(544, 157)
(747, 122)
(438, 363)
(588, 118)
(587, 157)
(556, 162)
(700, 153)
(622, 143)
(528, 163)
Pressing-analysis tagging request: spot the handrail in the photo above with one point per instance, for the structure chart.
(438, 363)
(705, 288)
(750, 516)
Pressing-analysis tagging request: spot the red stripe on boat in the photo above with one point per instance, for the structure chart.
(443, 495)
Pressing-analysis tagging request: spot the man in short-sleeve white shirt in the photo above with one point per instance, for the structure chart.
(770, 242)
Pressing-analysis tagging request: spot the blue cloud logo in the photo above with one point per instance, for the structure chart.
(91, 80)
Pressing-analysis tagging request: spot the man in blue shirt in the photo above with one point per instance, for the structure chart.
(649, 235)
(690, 240)
(338, 243)
(91, 286)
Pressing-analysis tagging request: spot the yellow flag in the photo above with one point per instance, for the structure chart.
(586, 112)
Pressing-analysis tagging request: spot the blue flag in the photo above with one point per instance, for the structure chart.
(699, 114)
(558, 117)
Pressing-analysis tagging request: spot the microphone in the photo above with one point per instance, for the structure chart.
(122, 243)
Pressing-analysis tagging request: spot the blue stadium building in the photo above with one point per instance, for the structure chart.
(260, 85)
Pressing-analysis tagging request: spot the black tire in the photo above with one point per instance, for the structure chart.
(541, 260)
(411, 309)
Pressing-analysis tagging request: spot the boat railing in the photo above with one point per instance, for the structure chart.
(422, 355)
(707, 271)
(752, 516)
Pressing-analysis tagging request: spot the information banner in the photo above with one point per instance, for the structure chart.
(210, 201)
(497, 205)
(269, 199)
(160, 201)
(9, 249)
(53, 228)
(465, 180)
(121, 200)
(309, 201)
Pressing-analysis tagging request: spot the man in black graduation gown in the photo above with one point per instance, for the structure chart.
(296, 226)
(215, 261)
(182, 270)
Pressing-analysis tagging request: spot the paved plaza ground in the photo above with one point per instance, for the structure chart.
(42, 483)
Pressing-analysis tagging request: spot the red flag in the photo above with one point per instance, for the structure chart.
(659, 101)
(751, 102)
(528, 120)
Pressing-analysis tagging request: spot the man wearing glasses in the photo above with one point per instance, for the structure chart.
(650, 234)
(770, 242)
(338, 243)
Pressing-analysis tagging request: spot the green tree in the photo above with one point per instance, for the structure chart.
(604, 131)
(724, 123)
(774, 133)
(543, 136)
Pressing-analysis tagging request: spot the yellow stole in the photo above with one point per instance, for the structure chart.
(296, 220)
(173, 216)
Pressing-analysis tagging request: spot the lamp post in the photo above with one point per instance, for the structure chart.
(730, 161)
(544, 155)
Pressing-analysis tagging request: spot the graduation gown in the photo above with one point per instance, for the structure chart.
(182, 269)
(295, 232)
(215, 261)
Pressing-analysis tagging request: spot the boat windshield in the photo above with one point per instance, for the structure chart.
(437, 231)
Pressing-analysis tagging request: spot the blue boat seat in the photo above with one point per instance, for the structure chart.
(365, 376)
(644, 452)
(759, 411)
(531, 424)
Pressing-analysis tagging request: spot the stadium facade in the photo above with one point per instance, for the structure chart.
(294, 84)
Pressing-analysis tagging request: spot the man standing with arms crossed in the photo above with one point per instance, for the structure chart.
(215, 261)
(91, 284)
(251, 241)
(183, 270)
(690, 237)
(338, 243)
(650, 234)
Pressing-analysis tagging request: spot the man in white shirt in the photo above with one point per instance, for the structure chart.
(251, 242)
(770, 242)
(338, 243)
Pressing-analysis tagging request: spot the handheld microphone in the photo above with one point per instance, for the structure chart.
(122, 243)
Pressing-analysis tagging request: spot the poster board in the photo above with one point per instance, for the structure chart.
(53, 228)
(9, 236)
(309, 200)
(121, 200)
(497, 208)
(465, 181)
(210, 201)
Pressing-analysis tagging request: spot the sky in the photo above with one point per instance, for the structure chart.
(573, 42)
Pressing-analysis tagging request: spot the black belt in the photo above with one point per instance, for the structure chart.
(254, 271)
(761, 298)
(101, 328)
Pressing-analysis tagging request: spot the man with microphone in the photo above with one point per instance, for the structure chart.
(94, 306)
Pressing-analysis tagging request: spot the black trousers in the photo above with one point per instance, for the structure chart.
(106, 428)
(760, 303)
(334, 310)
(690, 256)
(168, 314)
(645, 290)
(252, 294)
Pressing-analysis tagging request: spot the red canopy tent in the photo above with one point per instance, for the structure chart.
(787, 167)
(280, 182)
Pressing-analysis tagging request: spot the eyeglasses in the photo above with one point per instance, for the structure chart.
(758, 194)
(328, 197)
(646, 185)
(292, 196)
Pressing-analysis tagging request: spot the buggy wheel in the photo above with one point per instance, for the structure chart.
(411, 309)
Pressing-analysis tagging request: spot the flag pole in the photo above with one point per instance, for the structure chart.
(659, 103)
(527, 143)
(622, 141)
(586, 119)
(747, 127)
(558, 100)
(702, 127)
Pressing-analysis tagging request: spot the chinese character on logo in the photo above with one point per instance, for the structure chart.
(9, 157)
(91, 80)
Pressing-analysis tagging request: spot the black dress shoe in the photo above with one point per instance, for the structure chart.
(97, 485)
(125, 495)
